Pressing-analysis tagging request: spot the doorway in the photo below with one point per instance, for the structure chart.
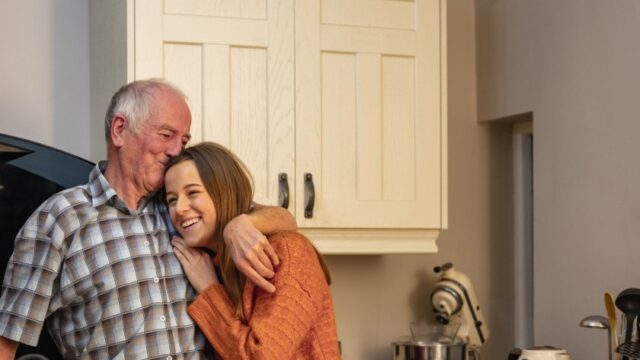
(523, 232)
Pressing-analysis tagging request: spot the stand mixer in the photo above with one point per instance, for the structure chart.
(453, 298)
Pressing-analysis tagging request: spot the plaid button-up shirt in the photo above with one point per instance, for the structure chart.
(105, 277)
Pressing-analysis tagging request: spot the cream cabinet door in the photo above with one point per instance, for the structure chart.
(370, 113)
(234, 61)
(348, 93)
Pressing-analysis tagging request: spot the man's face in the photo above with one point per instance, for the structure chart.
(162, 136)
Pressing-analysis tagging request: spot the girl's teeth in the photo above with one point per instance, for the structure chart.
(190, 222)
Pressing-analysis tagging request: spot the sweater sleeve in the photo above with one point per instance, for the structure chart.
(278, 323)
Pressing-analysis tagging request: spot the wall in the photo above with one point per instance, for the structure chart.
(375, 296)
(574, 64)
(44, 72)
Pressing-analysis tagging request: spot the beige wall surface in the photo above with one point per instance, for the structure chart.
(574, 63)
(44, 72)
(377, 296)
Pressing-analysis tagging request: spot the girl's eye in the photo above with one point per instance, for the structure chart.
(171, 201)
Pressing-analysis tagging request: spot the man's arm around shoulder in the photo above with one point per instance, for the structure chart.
(8, 348)
(249, 248)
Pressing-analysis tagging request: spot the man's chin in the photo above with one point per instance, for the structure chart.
(155, 187)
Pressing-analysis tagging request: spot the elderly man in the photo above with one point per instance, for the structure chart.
(96, 260)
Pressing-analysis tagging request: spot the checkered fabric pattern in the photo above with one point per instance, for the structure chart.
(104, 276)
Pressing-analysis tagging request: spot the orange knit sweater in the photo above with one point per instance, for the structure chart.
(295, 322)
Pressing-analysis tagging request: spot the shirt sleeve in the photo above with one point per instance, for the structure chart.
(29, 280)
(278, 323)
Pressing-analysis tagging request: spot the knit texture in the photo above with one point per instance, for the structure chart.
(295, 322)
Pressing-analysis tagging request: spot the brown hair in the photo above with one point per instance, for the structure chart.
(229, 184)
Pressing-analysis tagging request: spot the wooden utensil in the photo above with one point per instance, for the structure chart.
(613, 322)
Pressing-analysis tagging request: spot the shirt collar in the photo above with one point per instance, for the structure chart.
(102, 192)
(99, 188)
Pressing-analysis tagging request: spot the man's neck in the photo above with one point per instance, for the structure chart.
(122, 181)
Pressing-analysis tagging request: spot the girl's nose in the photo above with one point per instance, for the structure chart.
(182, 204)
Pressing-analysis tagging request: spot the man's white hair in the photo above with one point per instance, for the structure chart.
(134, 101)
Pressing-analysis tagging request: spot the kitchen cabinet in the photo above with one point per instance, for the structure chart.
(345, 97)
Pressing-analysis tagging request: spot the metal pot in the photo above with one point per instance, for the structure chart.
(419, 350)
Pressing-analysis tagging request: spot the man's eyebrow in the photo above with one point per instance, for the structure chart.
(167, 127)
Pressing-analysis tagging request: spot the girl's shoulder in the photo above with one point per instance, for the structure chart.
(289, 240)
(292, 247)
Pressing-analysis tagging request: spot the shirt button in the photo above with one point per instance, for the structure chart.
(162, 318)
(156, 280)
(146, 243)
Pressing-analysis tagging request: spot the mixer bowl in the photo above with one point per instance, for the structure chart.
(410, 349)
(434, 333)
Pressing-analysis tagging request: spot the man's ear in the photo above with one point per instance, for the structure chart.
(118, 130)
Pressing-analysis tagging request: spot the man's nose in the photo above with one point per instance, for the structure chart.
(175, 148)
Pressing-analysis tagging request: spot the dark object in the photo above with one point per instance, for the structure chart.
(514, 354)
(443, 318)
(443, 267)
(283, 191)
(29, 174)
(309, 195)
(628, 301)
(629, 349)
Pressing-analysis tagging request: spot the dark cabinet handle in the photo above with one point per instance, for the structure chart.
(283, 191)
(309, 196)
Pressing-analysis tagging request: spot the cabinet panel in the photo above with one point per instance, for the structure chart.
(373, 95)
(365, 113)
(216, 93)
(212, 30)
(367, 40)
(252, 9)
(147, 45)
(235, 65)
(395, 14)
(176, 58)
(369, 125)
(248, 122)
(398, 126)
(336, 178)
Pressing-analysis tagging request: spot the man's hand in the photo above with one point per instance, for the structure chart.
(251, 251)
(197, 265)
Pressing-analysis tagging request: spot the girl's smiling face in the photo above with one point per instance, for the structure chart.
(191, 209)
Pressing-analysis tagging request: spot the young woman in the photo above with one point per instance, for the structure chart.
(206, 187)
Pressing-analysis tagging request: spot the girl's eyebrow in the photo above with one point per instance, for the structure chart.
(185, 187)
